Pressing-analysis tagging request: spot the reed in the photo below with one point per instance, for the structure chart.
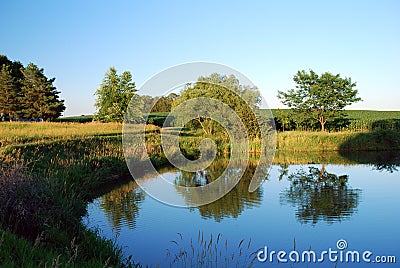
(210, 251)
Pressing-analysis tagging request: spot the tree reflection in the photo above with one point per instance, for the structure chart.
(121, 206)
(388, 161)
(319, 195)
(233, 203)
(384, 161)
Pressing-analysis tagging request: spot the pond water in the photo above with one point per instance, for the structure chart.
(338, 208)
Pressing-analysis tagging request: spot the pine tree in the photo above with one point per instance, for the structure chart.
(40, 98)
(9, 94)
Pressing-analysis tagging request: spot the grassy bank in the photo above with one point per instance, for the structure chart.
(302, 141)
(353, 120)
(50, 171)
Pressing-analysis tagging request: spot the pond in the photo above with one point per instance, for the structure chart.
(342, 214)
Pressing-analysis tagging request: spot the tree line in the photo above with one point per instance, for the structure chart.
(316, 101)
(113, 100)
(26, 93)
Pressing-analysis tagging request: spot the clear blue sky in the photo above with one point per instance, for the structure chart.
(77, 41)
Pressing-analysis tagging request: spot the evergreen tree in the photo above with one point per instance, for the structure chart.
(40, 97)
(9, 94)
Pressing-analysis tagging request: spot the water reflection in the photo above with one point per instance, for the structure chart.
(388, 161)
(320, 195)
(121, 206)
(317, 194)
(233, 203)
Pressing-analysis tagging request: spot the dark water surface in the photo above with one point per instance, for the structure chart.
(298, 208)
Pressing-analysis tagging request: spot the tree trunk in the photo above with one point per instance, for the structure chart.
(201, 124)
(322, 121)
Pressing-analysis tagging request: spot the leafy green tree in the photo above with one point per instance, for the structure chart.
(114, 95)
(242, 99)
(164, 104)
(147, 102)
(283, 118)
(40, 97)
(320, 98)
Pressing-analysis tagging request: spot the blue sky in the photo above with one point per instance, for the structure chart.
(268, 41)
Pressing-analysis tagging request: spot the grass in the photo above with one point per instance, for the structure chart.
(300, 141)
(41, 227)
(22, 133)
(50, 171)
(212, 251)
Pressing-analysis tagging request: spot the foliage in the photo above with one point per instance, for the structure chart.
(164, 103)
(226, 89)
(114, 95)
(9, 95)
(26, 93)
(354, 120)
(320, 98)
(76, 119)
(40, 97)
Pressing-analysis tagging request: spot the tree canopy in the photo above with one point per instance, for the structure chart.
(164, 103)
(319, 97)
(26, 93)
(114, 95)
(242, 99)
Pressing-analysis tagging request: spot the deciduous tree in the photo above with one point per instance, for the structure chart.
(226, 89)
(320, 98)
(114, 95)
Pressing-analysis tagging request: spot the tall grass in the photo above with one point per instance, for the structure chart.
(210, 251)
(39, 227)
(20, 133)
(303, 141)
(49, 173)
